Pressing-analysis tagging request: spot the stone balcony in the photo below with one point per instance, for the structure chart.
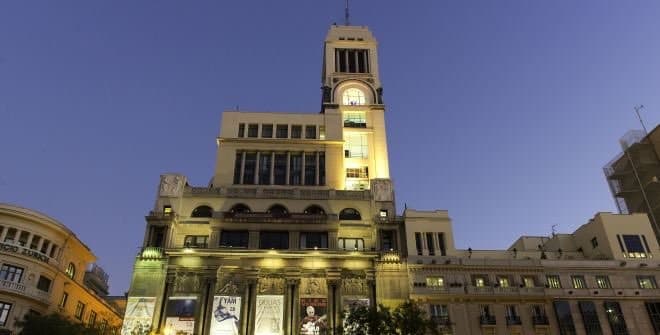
(20, 289)
(290, 218)
(270, 192)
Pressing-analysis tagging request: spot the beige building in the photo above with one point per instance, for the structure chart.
(47, 269)
(299, 223)
(634, 175)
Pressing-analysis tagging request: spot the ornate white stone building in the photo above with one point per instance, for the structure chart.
(299, 223)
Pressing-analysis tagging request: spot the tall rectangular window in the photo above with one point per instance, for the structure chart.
(43, 284)
(553, 281)
(237, 167)
(35, 242)
(310, 169)
(429, 244)
(92, 319)
(314, 240)
(356, 146)
(634, 247)
(418, 243)
(352, 60)
(280, 169)
(282, 131)
(361, 172)
(435, 281)
(564, 318)
(65, 297)
(590, 317)
(267, 130)
(11, 235)
(296, 131)
(653, 308)
(265, 161)
(646, 282)
(80, 310)
(249, 168)
(603, 282)
(388, 240)
(5, 308)
(310, 132)
(274, 240)
(241, 130)
(615, 318)
(295, 169)
(11, 273)
(441, 244)
(234, 239)
(355, 120)
(253, 130)
(578, 282)
(321, 168)
(44, 247)
(511, 314)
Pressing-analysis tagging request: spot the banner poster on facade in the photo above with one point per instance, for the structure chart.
(314, 318)
(270, 315)
(138, 317)
(226, 315)
(180, 315)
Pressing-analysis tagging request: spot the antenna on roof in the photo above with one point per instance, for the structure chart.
(346, 15)
(639, 116)
(554, 230)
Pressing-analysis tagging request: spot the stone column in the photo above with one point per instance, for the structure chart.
(256, 169)
(291, 297)
(207, 310)
(252, 307)
(288, 167)
(167, 292)
(272, 168)
(29, 240)
(3, 235)
(242, 166)
(334, 285)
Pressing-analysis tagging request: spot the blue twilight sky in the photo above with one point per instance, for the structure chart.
(503, 112)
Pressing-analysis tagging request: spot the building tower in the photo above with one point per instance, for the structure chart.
(290, 231)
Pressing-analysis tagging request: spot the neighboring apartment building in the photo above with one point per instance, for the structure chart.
(299, 223)
(47, 269)
(634, 175)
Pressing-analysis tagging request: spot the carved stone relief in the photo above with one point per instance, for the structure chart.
(271, 285)
(171, 185)
(186, 282)
(354, 286)
(382, 189)
(314, 287)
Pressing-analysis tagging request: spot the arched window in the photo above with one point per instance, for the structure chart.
(70, 270)
(349, 214)
(278, 211)
(314, 209)
(202, 212)
(353, 96)
(240, 209)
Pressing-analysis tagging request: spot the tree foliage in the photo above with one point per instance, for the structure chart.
(407, 319)
(52, 324)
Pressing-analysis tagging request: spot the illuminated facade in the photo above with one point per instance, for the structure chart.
(299, 223)
(47, 269)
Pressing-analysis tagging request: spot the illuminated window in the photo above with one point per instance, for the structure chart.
(353, 96)
(357, 185)
(92, 319)
(351, 243)
(356, 146)
(195, 241)
(578, 282)
(479, 281)
(355, 120)
(65, 297)
(70, 270)
(80, 310)
(615, 318)
(361, 172)
(503, 281)
(553, 281)
(4, 312)
(11, 273)
(528, 281)
(634, 247)
(167, 210)
(603, 282)
(435, 282)
(646, 282)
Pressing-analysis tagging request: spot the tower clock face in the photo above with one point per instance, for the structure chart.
(353, 96)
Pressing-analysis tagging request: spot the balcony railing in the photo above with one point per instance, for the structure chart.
(18, 288)
(151, 253)
(540, 320)
(487, 320)
(273, 192)
(295, 218)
